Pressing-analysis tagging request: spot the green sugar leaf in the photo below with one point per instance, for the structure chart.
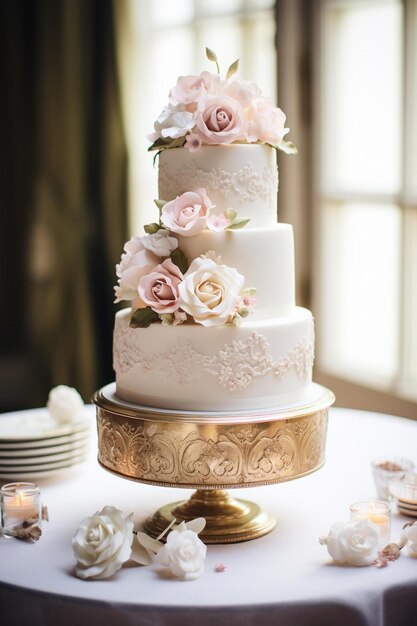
(142, 318)
(238, 223)
(150, 229)
(232, 69)
(180, 260)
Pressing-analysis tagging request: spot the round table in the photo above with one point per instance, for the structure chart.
(285, 577)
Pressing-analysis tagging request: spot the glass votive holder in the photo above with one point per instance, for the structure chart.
(377, 512)
(20, 505)
(385, 469)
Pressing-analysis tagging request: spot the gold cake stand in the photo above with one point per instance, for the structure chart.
(212, 452)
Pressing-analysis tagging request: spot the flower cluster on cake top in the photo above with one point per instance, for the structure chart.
(209, 110)
(163, 285)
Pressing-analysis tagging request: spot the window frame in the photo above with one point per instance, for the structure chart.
(399, 397)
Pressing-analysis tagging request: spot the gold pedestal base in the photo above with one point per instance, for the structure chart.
(228, 520)
(211, 452)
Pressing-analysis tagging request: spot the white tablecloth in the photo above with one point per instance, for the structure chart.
(285, 577)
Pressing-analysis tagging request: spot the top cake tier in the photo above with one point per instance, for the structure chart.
(243, 177)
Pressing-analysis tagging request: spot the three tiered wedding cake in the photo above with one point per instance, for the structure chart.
(213, 324)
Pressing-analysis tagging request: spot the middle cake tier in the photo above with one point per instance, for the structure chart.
(264, 256)
(261, 364)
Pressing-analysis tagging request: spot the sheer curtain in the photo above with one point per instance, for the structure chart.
(72, 212)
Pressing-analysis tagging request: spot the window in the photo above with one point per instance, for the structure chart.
(163, 39)
(366, 194)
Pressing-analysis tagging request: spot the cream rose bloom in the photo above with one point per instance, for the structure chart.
(210, 292)
(183, 554)
(354, 543)
(102, 543)
(65, 404)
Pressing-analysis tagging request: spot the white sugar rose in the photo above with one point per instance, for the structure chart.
(135, 263)
(183, 554)
(354, 543)
(65, 404)
(187, 214)
(210, 292)
(102, 543)
(173, 122)
(219, 119)
(160, 243)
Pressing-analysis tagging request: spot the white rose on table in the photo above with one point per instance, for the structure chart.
(102, 543)
(353, 543)
(184, 553)
(409, 538)
(209, 292)
(65, 404)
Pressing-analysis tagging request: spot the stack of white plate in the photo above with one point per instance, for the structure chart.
(33, 445)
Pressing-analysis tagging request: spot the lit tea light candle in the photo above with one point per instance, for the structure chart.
(20, 501)
(377, 512)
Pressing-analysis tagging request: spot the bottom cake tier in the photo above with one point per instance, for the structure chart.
(262, 364)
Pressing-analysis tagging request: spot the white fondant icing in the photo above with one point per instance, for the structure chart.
(240, 176)
(264, 256)
(258, 365)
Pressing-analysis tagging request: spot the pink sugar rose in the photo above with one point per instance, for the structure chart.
(188, 89)
(212, 82)
(187, 214)
(266, 123)
(159, 289)
(243, 91)
(135, 263)
(219, 119)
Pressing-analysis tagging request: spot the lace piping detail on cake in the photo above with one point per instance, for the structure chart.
(237, 365)
(246, 182)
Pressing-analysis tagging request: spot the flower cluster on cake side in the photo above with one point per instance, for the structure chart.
(154, 273)
(163, 285)
(207, 109)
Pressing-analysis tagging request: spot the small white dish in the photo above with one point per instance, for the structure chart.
(37, 424)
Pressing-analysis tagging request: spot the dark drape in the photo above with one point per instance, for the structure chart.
(64, 201)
